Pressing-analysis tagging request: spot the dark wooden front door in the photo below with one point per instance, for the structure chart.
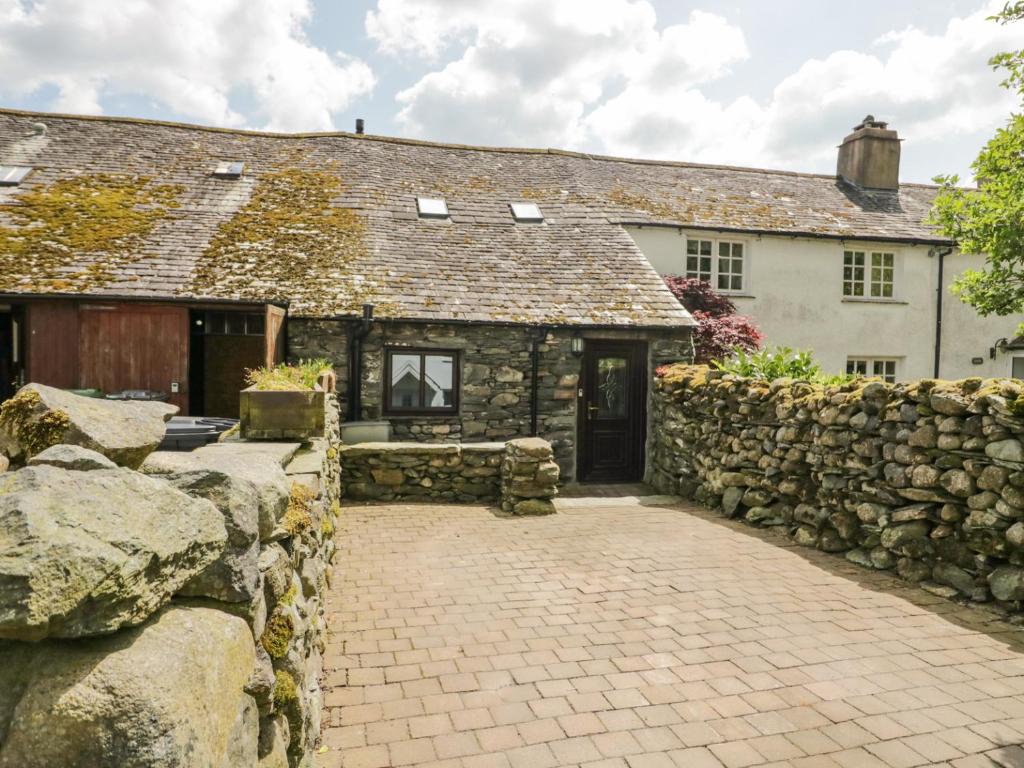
(612, 411)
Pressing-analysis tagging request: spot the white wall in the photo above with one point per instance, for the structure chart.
(795, 294)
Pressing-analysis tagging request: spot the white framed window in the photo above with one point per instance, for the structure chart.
(869, 274)
(723, 263)
(882, 367)
(1017, 369)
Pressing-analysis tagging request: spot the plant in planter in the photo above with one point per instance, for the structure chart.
(284, 401)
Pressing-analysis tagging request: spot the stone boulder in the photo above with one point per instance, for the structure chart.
(86, 553)
(169, 694)
(71, 457)
(234, 576)
(1007, 583)
(39, 417)
(261, 468)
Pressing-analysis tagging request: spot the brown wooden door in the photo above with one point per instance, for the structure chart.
(613, 411)
(135, 346)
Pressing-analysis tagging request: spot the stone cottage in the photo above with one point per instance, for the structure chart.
(463, 294)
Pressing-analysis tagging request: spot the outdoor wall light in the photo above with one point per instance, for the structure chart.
(1000, 346)
(576, 345)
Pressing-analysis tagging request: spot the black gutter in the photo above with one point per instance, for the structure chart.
(359, 331)
(504, 323)
(538, 335)
(786, 233)
(941, 253)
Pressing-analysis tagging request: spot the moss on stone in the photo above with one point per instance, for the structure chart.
(285, 690)
(288, 597)
(298, 517)
(54, 230)
(35, 432)
(327, 527)
(277, 635)
(332, 453)
(298, 240)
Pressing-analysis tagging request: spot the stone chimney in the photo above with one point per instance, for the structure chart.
(870, 156)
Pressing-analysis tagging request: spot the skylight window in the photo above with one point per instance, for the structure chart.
(526, 212)
(11, 175)
(432, 207)
(229, 170)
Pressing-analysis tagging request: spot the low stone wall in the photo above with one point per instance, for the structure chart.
(925, 478)
(529, 477)
(513, 472)
(168, 615)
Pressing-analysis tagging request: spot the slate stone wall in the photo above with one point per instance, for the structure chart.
(495, 386)
(422, 471)
(923, 478)
(521, 473)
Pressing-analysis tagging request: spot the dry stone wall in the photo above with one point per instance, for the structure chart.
(923, 478)
(521, 473)
(170, 615)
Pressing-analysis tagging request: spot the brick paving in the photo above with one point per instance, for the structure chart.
(635, 634)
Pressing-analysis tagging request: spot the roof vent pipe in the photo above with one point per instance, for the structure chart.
(870, 156)
(360, 125)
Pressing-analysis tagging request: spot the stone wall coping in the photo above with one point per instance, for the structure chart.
(284, 452)
(362, 449)
(420, 449)
(482, 447)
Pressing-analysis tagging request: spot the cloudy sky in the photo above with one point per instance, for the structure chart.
(742, 82)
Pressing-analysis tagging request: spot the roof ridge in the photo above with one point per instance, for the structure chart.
(426, 143)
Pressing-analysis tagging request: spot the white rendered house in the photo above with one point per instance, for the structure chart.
(877, 304)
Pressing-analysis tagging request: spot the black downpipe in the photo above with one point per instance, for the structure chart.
(359, 331)
(941, 253)
(537, 337)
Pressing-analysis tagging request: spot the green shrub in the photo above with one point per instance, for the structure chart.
(778, 363)
(301, 376)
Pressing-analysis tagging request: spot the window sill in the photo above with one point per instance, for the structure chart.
(868, 300)
(740, 295)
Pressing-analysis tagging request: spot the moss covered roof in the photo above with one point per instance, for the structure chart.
(328, 222)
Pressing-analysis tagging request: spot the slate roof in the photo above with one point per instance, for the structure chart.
(327, 222)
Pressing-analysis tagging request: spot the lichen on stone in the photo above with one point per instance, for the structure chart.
(78, 233)
(298, 517)
(34, 432)
(277, 635)
(291, 241)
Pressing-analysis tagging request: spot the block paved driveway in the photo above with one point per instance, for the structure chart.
(618, 633)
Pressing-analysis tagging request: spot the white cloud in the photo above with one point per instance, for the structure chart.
(530, 71)
(190, 56)
(602, 76)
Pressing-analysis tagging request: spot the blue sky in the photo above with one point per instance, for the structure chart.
(746, 83)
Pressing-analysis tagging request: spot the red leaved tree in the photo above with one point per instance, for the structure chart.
(719, 329)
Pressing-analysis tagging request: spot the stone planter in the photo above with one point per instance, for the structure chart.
(281, 415)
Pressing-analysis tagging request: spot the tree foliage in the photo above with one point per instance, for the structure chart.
(990, 220)
(719, 329)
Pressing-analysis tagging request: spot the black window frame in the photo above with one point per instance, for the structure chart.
(424, 353)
